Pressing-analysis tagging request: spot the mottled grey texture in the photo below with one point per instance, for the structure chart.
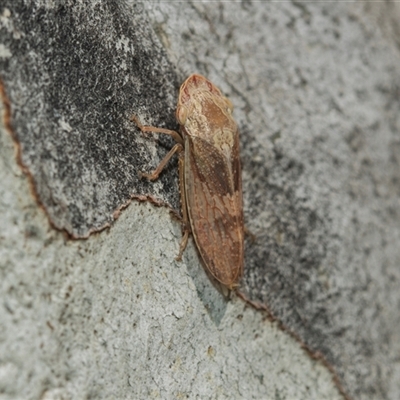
(316, 89)
(76, 74)
(114, 317)
(316, 93)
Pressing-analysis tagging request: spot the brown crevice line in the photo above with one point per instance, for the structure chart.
(315, 355)
(32, 185)
(141, 199)
(118, 211)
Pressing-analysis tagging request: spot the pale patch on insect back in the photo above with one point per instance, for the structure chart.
(224, 140)
(210, 177)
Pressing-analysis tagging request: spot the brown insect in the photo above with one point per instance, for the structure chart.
(209, 176)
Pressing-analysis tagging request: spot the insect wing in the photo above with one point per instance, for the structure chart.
(213, 188)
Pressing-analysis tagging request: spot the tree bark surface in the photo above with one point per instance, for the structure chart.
(93, 303)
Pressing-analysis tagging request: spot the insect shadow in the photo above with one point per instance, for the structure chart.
(215, 301)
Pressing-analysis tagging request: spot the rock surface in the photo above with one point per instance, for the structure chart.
(316, 92)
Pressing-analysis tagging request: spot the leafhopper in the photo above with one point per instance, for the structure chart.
(209, 177)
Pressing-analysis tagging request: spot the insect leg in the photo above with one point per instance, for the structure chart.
(154, 175)
(149, 128)
(186, 225)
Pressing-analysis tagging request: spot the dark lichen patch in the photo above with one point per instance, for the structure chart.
(74, 78)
